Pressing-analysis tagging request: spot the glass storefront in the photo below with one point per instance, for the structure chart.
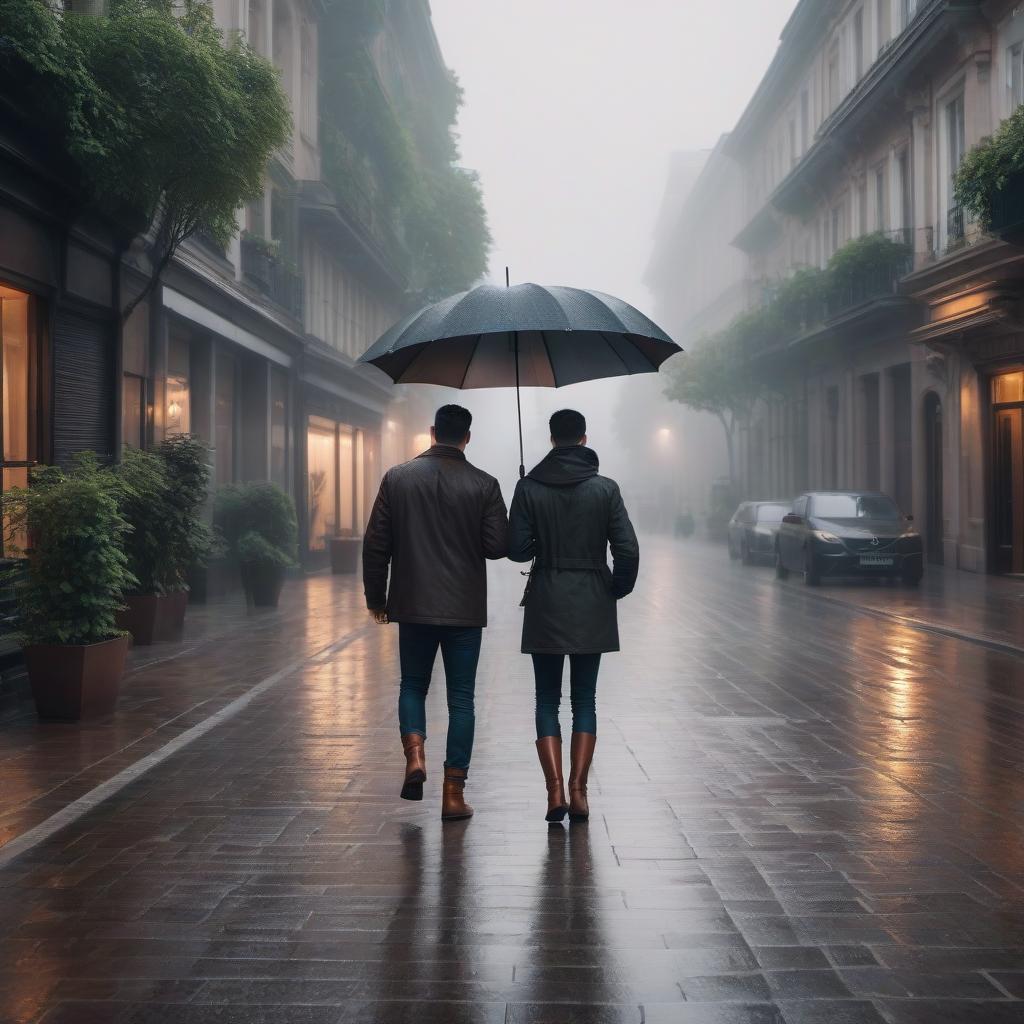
(343, 466)
(16, 339)
(322, 470)
(178, 412)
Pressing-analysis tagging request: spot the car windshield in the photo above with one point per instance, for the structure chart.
(771, 513)
(854, 506)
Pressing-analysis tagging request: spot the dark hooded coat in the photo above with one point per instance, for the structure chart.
(565, 517)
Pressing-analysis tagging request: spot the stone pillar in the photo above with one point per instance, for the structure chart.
(886, 432)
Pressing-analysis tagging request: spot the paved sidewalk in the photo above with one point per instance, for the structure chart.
(167, 690)
(801, 815)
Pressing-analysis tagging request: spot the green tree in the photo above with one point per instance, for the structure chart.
(716, 376)
(991, 168)
(168, 124)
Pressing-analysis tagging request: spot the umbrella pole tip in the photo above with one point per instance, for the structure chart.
(522, 471)
(506, 277)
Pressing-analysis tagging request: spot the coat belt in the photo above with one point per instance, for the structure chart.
(571, 563)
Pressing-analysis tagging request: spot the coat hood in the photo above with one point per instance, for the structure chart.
(566, 467)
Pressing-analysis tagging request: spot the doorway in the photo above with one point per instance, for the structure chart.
(933, 477)
(1008, 471)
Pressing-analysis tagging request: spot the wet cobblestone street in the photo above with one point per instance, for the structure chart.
(800, 814)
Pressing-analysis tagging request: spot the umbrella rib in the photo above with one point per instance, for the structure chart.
(469, 361)
(625, 365)
(551, 361)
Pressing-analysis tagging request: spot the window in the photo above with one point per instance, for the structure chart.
(903, 190)
(1014, 77)
(17, 337)
(224, 417)
(954, 128)
(881, 208)
(279, 428)
(177, 418)
(135, 365)
(833, 77)
(792, 143)
(907, 8)
(322, 464)
(858, 44)
(862, 207)
(309, 98)
(805, 121)
(883, 22)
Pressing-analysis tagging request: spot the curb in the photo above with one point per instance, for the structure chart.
(924, 626)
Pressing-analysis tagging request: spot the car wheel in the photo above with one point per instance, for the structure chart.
(781, 572)
(745, 556)
(812, 571)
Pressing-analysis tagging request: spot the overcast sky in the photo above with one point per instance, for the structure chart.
(572, 109)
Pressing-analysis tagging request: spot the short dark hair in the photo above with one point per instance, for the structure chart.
(451, 424)
(567, 427)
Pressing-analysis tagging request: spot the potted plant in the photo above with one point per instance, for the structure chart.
(69, 588)
(258, 525)
(345, 554)
(160, 494)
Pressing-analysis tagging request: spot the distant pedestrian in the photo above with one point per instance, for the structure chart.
(435, 521)
(565, 516)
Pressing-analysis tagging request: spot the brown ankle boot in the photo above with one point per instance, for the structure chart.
(453, 803)
(549, 750)
(415, 766)
(581, 753)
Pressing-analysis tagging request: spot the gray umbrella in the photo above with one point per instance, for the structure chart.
(527, 335)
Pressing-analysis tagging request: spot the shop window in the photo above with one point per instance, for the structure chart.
(16, 337)
(178, 412)
(224, 417)
(279, 429)
(322, 468)
(1008, 387)
(346, 451)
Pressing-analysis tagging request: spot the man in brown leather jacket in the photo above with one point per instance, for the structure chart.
(435, 521)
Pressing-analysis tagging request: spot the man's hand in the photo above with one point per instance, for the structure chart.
(380, 616)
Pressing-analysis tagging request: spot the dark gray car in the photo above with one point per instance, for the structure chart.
(848, 533)
(752, 530)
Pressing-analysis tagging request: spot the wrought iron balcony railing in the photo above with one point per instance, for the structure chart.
(954, 226)
(866, 285)
(268, 273)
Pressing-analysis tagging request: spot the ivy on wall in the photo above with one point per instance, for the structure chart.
(395, 161)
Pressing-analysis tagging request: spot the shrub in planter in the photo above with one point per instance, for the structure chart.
(161, 495)
(69, 589)
(257, 523)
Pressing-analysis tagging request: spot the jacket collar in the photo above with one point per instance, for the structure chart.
(442, 451)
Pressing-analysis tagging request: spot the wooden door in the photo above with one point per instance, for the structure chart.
(1009, 489)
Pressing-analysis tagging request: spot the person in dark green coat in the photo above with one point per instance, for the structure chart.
(565, 517)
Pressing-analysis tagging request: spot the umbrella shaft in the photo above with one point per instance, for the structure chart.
(519, 409)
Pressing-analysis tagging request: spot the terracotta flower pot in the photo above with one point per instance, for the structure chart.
(152, 617)
(262, 583)
(73, 681)
(345, 554)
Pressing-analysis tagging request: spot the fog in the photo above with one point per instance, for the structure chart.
(572, 111)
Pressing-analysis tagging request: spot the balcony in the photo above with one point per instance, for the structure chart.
(1007, 214)
(265, 269)
(955, 236)
(867, 286)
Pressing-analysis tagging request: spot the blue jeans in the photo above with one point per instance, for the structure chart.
(547, 671)
(460, 651)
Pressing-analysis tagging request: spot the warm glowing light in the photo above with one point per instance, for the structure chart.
(420, 443)
(664, 435)
(392, 425)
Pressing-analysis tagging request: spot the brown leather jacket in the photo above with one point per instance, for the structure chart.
(436, 520)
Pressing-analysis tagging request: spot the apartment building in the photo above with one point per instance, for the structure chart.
(910, 379)
(252, 346)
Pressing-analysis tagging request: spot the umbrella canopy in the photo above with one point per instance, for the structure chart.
(526, 335)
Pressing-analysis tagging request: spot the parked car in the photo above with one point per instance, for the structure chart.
(831, 534)
(752, 530)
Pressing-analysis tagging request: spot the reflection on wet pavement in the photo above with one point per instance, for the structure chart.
(800, 814)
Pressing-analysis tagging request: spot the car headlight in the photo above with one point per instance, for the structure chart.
(825, 537)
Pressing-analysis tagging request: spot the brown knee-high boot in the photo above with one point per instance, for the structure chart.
(453, 802)
(415, 766)
(581, 753)
(549, 750)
